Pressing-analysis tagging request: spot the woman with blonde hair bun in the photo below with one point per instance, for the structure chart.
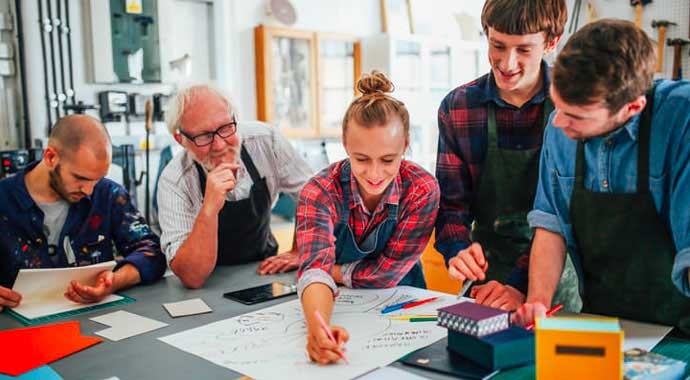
(363, 222)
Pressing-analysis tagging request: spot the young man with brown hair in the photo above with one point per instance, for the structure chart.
(490, 137)
(613, 182)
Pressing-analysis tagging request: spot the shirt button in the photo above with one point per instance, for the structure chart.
(605, 184)
(609, 143)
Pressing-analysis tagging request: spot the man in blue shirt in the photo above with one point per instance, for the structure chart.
(613, 182)
(60, 212)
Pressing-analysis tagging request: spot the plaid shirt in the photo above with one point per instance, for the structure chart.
(97, 225)
(462, 146)
(321, 208)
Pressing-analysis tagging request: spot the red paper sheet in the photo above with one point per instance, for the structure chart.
(22, 350)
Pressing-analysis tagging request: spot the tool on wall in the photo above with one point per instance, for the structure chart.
(639, 4)
(661, 25)
(677, 44)
(575, 17)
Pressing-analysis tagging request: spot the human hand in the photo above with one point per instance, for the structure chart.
(79, 293)
(469, 264)
(9, 298)
(280, 263)
(497, 295)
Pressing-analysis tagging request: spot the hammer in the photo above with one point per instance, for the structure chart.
(662, 25)
(638, 4)
(677, 44)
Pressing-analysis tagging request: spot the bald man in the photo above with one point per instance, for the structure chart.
(64, 201)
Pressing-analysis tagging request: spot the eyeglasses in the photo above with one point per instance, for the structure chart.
(204, 139)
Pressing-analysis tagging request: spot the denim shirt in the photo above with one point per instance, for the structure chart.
(611, 166)
(96, 226)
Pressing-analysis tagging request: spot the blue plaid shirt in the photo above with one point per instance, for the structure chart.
(95, 226)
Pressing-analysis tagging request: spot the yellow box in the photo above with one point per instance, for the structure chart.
(579, 348)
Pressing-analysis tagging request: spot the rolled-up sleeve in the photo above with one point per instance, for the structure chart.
(545, 213)
(176, 214)
(135, 240)
(315, 223)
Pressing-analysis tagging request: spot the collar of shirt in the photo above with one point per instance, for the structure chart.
(391, 195)
(22, 194)
(490, 90)
(630, 128)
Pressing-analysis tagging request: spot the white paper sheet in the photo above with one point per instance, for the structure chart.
(391, 373)
(43, 290)
(642, 335)
(124, 324)
(270, 343)
(189, 307)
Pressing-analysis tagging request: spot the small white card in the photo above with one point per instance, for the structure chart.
(189, 307)
(124, 324)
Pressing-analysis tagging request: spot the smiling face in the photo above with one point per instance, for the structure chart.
(375, 155)
(516, 59)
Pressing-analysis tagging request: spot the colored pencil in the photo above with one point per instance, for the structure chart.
(397, 306)
(422, 302)
(549, 313)
(424, 319)
(407, 317)
(325, 328)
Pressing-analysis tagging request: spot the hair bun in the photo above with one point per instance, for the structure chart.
(374, 82)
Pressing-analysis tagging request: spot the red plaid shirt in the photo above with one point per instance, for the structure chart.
(321, 208)
(462, 145)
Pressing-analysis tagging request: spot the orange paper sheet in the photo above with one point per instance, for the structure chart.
(25, 349)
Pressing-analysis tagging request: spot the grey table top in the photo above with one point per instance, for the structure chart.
(144, 356)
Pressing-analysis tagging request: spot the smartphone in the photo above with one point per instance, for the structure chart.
(262, 293)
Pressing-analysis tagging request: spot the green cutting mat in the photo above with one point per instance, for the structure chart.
(50, 318)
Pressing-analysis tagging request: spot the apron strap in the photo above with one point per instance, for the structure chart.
(643, 143)
(642, 149)
(580, 165)
(345, 183)
(249, 164)
(202, 178)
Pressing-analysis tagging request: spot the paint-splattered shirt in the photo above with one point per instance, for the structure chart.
(98, 227)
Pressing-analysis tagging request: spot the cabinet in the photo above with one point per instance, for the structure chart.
(423, 70)
(305, 80)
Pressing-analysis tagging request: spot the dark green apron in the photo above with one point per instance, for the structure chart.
(627, 250)
(505, 195)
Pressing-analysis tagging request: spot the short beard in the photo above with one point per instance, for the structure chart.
(55, 182)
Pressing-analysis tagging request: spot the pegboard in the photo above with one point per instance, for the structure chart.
(677, 11)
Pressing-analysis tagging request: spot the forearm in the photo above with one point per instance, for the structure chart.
(196, 258)
(317, 297)
(337, 274)
(126, 276)
(545, 266)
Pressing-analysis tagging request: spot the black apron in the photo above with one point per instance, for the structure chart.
(626, 248)
(244, 226)
(505, 195)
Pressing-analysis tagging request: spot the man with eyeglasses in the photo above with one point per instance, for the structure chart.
(215, 197)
